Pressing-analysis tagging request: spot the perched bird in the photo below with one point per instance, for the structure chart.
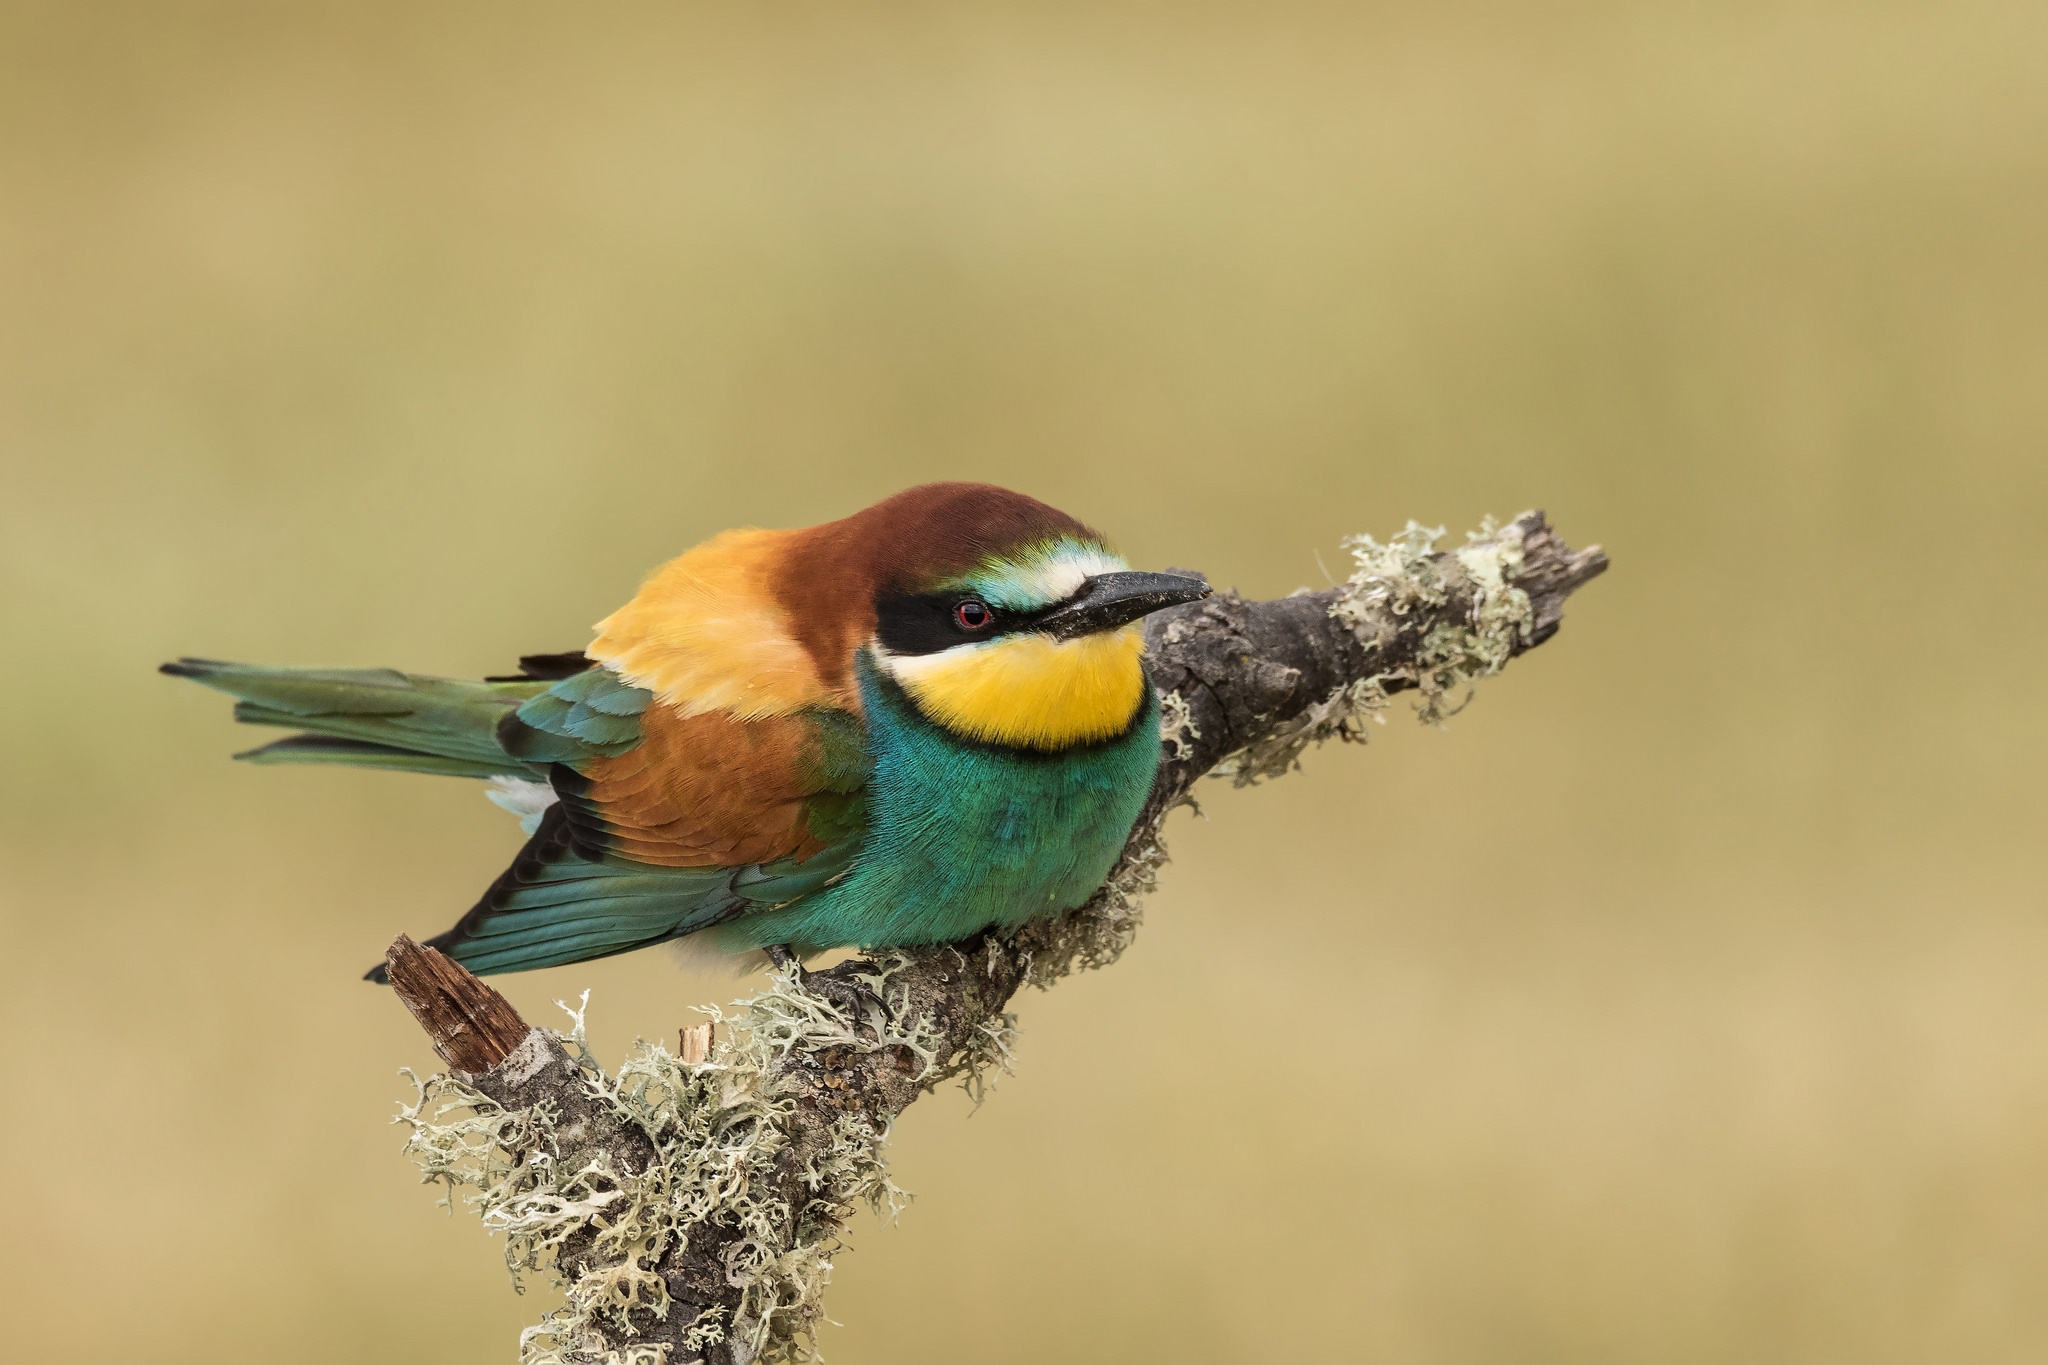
(923, 720)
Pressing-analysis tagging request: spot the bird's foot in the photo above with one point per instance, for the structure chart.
(851, 998)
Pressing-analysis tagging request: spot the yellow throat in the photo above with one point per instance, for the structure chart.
(1030, 691)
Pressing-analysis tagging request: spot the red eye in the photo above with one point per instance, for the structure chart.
(972, 615)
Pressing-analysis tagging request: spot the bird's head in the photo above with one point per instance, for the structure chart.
(1004, 621)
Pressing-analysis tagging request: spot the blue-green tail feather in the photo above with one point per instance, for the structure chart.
(375, 717)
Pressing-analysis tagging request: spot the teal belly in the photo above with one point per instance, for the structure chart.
(963, 836)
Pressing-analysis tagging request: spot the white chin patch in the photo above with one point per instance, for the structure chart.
(526, 800)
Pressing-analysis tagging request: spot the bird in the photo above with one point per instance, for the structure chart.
(926, 719)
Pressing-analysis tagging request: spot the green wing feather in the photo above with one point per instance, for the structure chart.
(557, 905)
(594, 714)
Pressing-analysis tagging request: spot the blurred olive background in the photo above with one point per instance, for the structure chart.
(1681, 1002)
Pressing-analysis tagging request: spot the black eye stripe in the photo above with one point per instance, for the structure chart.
(908, 623)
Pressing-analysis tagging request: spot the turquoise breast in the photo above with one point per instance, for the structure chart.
(962, 836)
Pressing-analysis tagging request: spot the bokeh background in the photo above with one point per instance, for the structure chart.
(1682, 1002)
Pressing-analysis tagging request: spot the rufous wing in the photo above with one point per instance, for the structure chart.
(667, 822)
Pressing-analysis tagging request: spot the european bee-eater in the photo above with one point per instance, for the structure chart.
(920, 721)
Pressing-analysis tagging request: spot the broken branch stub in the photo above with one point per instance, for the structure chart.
(471, 1026)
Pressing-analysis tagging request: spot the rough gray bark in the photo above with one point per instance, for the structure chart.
(1258, 680)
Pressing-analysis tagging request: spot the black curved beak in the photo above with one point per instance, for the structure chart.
(1109, 600)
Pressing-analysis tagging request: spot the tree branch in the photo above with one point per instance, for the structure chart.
(690, 1204)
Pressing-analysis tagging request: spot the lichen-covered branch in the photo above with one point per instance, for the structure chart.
(691, 1204)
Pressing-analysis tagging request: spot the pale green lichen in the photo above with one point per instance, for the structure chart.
(1176, 725)
(1403, 576)
(1393, 582)
(989, 1056)
(715, 1126)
